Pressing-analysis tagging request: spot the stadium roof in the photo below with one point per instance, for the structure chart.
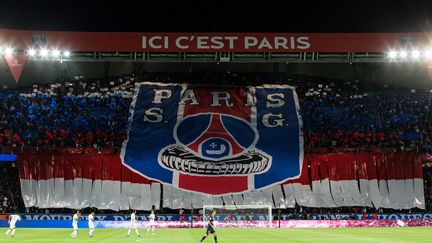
(220, 16)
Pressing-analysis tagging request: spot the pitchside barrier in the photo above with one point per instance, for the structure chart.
(173, 221)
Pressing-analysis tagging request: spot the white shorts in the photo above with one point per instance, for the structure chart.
(12, 225)
(91, 225)
(151, 222)
(75, 226)
(132, 226)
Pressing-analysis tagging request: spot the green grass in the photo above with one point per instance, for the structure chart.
(348, 235)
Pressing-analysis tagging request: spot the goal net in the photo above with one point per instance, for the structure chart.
(244, 216)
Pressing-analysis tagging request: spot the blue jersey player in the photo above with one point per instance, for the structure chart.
(210, 227)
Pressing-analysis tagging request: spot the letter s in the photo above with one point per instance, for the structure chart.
(153, 115)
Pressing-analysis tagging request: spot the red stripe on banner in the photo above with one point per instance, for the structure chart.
(205, 98)
(333, 167)
(137, 178)
(217, 185)
(126, 174)
(381, 167)
(409, 167)
(324, 167)
(26, 166)
(315, 166)
(418, 169)
(112, 165)
(97, 168)
(371, 167)
(40, 166)
(58, 165)
(68, 168)
(390, 166)
(88, 166)
(362, 167)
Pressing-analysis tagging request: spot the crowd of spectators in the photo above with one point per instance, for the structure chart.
(337, 115)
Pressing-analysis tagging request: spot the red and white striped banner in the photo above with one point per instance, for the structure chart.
(393, 180)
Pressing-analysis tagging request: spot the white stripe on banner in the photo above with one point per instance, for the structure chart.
(238, 199)
(197, 200)
(96, 193)
(350, 193)
(228, 200)
(375, 196)
(134, 196)
(409, 191)
(279, 199)
(124, 197)
(155, 194)
(186, 199)
(77, 193)
(365, 192)
(217, 200)
(50, 196)
(27, 191)
(42, 194)
(114, 202)
(145, 197)
(385, 200)
(59, 193)
(419, 193)
(167, 196)
(86, 193)
(327, 196)
(290, 201)
(176, 198)
(336, 192)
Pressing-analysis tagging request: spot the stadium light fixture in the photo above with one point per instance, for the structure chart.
(55, 53)
(428, 54)
(44, 52)
(403, 54)
(9, 50)
(392, 54)
(66, 54)
(31, 52)
(415, 54)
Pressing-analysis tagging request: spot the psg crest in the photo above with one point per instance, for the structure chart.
(214, 140)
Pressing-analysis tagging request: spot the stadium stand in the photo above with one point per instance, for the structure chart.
(337, 116)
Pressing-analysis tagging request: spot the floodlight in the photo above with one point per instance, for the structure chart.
(31, 52)
(9, 51)
(44, 52)
(392, 54)
(66, 53)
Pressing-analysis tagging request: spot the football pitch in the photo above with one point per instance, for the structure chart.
(348, 235)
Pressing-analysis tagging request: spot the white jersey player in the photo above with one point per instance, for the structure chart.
(75, 219)
(151, 225)
(13, 218)
(91, 224)
(133, 225)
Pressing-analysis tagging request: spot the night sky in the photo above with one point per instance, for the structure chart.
(220, 16)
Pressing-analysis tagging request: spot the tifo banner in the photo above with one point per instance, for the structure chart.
(394, 180)
(80, 181)
(215, 140)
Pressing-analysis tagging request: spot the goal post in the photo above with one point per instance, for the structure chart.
(247, 216)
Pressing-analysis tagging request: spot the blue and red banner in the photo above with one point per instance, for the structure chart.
(215, 139)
